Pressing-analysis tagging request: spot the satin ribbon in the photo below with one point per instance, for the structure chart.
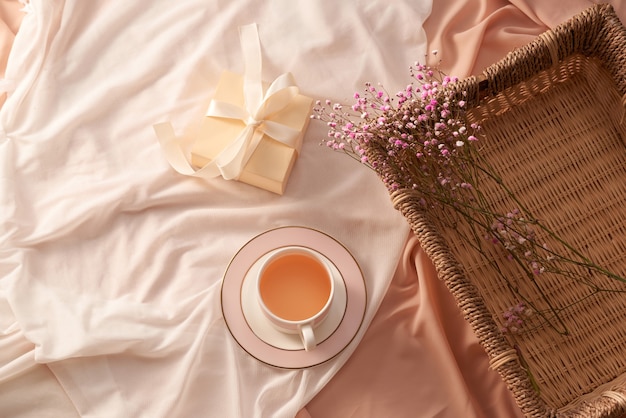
(259, 106)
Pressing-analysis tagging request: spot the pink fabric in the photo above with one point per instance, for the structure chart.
(473, 35)
(418, 358)
(10, 19)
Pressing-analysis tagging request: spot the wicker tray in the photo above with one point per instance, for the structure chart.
(552, 115)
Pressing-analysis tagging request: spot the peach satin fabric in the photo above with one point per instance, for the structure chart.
(471, 35)
(418, 358)
(10, 19)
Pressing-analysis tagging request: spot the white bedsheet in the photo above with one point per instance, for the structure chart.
(110, 261)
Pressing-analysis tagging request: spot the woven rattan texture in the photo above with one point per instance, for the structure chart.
(568, 169)
(554, 128)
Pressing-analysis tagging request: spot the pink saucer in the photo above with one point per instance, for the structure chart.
(277, 351)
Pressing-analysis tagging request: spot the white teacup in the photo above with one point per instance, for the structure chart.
(295, 289)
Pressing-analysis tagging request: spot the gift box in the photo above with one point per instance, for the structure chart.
(252, 131)
(270, 162)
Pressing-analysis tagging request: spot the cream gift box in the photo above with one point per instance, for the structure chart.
(271, 161)
(252, 131)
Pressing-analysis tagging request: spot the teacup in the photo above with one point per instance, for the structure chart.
(295, 289)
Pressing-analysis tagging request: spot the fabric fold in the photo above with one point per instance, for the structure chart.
(120, 259)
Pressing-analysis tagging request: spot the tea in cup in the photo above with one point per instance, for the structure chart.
(295, 289)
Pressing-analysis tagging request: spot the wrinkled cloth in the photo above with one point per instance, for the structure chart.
(418, 357)
(470, 36)
(10, 20)
(110, 261)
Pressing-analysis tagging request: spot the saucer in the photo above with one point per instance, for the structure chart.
(251, 330)
(264, 329)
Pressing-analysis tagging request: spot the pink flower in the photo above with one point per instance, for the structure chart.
(514, 318)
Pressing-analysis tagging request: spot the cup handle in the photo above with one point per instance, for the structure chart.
(307, 336)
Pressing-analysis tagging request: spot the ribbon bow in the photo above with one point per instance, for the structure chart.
(259, 106)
